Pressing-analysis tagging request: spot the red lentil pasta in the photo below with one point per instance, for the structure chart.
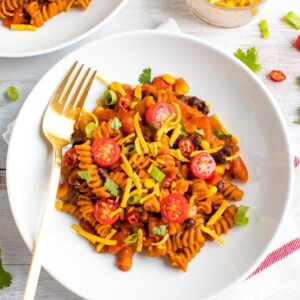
(31, 14)
(150, 169)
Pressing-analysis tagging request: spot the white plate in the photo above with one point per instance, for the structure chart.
(247, 110)
(61, 31)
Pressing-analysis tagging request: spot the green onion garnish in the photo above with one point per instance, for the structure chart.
(109, 97)
(12, 93)
(293, 19)
(157, 174)
(240, 216)
(135, 199)
(131, 238)
(264, 29)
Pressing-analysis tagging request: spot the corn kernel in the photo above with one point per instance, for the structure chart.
(213, 190)
(138, 91)
(117, 87)
(133, 104)
(168, 79)
(181, 87)
(220, 170)
(208, 104)
(205, 145)
(149, 183)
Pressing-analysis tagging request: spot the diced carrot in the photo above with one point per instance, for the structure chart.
(203, 122)
(239, 169)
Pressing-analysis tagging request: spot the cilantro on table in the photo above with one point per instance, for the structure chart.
(112, 187)
(145, 76)
(249, 58)
(5, 277)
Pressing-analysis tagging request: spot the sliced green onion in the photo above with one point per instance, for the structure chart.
(12, 93)
(221, 134)
(109, 97)
(89, 129)
(240, 216)
(293, 19)
(157, 174)
(131, 238)
(135, 199)
(130, 147)
(264, 29)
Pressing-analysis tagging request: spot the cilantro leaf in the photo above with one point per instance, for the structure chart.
(160, 230)
(115, 123)
(221, 134)
(199, 131)
(112, 187)
(145, 77)
(5, 277)
(85, 175)
(249, 58)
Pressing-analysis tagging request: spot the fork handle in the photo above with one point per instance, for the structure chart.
(41, 238)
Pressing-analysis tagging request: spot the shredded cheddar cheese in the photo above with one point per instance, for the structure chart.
(212, 233)
(108, 237)
(140, 240)
(126, 139)
(161, 244)
(22, 27)
(212, 220)
(126, 192)
(93, 238)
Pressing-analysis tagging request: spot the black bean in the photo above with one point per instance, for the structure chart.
(103, 172)
(220, 186)
(73, 197)
(219, 158)
(182, 98)
(77, 137)
(194, 102)
(190, 223)
(227, 149)
(74, 179)
(196, 139)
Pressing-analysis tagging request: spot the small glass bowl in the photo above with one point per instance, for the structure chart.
(225, 17)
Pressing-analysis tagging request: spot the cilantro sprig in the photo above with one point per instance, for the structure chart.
(112, 187)
(5, 277)
(145, 76)
(249, 58)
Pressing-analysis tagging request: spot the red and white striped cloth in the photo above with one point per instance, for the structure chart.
(278, 275)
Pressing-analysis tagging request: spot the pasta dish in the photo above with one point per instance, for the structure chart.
(31, 14)
(150, 169)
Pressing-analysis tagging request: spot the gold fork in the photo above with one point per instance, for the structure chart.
(58, 125)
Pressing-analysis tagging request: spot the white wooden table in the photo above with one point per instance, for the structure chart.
(277, 52)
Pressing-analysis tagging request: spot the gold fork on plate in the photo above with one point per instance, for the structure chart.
(58, 125)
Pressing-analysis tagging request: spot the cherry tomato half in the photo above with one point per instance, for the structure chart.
(70, 157)
(174, 207)
(277, 76)
(103, 210)
(106, 151)
(186, 146)
(158, 113)
(203, 165)
(124, 101)
(167, 182)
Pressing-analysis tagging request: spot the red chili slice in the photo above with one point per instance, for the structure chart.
(277, 76)
(133, 217)
(173, 208)
(70, 157)
(103, 210)
(125, 101)
(158, 113)
(298, 42)
(186, 146)
(106, 152)
(167, 182)
(203, 165)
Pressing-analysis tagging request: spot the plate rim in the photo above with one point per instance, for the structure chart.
(69, 42)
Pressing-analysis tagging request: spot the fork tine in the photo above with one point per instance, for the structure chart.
(72, 111)
(57, 95)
